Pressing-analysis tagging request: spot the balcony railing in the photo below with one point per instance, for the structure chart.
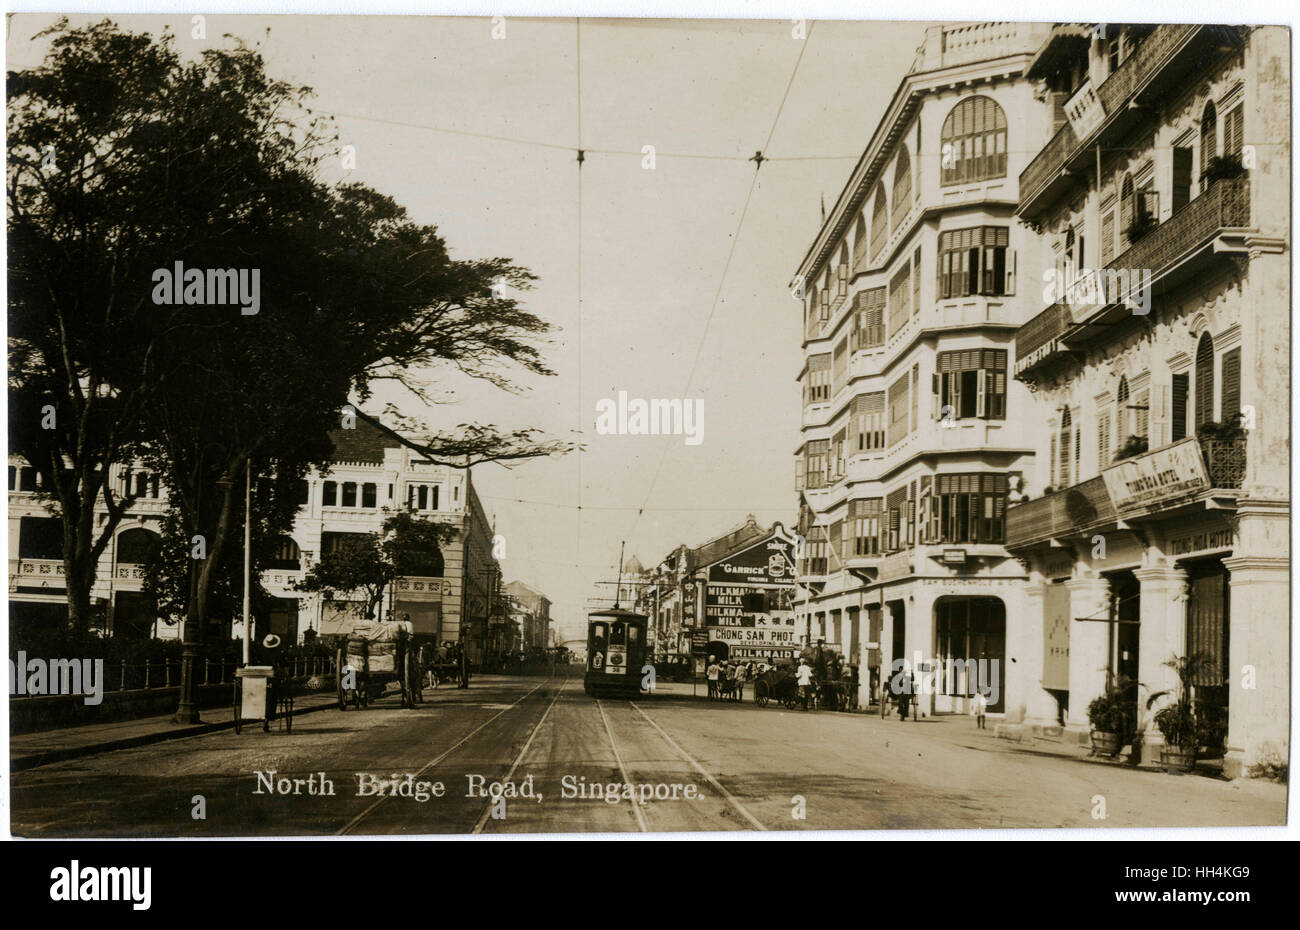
(1226, 205)
(1084, 507)
(1113, 93)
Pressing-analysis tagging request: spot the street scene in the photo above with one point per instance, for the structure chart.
(465, 426)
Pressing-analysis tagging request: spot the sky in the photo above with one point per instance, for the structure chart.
(479, 136)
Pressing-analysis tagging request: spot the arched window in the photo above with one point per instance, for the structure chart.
(1209, 135)
(136, 546)
(879, 221)
(1122, 419)
(902, 186)
(1126, 204)
(284, 555)
(974, 142)
(859, 244)
(1063, 449)
(1204, 380)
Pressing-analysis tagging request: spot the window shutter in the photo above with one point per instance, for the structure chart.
(1178, 391)
(1159, 416)
(1078, 449)
(1230, 378)
(1103, 440)
(798, 472)
(1051, 463)
(1010, 287)
(981, 394)
(1143, 415)
(1232, 132)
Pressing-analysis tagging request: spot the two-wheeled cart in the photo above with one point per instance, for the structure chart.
(371, 659)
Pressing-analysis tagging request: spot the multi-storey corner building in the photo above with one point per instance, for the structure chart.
(697, 597)
(373, 472)
(1163, 202)
(532, 610)
(913, 431)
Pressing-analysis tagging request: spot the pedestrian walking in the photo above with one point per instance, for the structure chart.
(904, 693)
(712, 676)
(804, 680)
(979, 707)
(742, 672)
(731, 680)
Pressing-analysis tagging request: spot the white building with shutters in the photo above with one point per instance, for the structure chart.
(1155, 528)
(914, 435)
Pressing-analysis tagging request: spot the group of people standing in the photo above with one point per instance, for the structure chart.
(727, 679)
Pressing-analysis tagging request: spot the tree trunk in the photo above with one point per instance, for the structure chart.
(196, 611)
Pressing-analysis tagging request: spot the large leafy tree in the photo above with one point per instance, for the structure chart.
(360, 569)
(213, 164)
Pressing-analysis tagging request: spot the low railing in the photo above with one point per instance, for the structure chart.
(121, 675)
(1078, 509)
(1113, 95)
(1226, 205)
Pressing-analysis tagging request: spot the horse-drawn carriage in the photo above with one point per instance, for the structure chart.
(830, 688)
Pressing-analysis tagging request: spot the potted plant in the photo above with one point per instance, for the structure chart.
(1108, 716)
(1222, 168)
(1134, 445)
(1178, 722)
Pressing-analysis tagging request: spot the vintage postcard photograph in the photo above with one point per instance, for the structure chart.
(437, 425)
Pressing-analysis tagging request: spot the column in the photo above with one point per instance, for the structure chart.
(1163, 636)
(1026, 698)
(1089, 646)
(1259, 704)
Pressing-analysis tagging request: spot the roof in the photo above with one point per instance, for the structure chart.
(365, 442)
(720, 546)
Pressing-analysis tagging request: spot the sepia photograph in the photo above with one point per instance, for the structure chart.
(434, 426)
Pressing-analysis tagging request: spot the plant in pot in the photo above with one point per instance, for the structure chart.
(1108, 714)
(1222, 168)
(1134, 445)
(1178, 722)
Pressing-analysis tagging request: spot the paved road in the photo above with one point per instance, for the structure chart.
(705, 767)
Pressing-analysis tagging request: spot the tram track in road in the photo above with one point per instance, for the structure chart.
(699, 769)
(459, 745)
(532, 734)
(622, 768)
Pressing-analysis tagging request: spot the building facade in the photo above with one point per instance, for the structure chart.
(730, 597)
(1158, 520)
(532, 610)
(373, 472)
(913, 432)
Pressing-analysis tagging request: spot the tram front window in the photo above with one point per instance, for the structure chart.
(618, 634)
(598, 633)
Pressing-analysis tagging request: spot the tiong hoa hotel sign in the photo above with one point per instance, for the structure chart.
(1147, 481)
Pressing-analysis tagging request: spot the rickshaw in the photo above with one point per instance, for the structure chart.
(777, 684)
(371, 658)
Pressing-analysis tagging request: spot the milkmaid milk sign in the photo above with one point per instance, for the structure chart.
(765, 566)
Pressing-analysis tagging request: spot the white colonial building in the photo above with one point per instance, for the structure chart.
(914, 432)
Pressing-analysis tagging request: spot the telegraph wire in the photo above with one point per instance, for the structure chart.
(758, 159)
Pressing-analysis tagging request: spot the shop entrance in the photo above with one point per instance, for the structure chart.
(1207, 639)
(1125, 614)
(970, 635)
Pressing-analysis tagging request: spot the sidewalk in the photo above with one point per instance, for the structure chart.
(29, 750)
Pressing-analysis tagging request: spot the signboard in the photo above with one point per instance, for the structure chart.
(616, 661)
(699, 641)
(688, 604)
(1056, 637)
(1214, 539)
(1138, 484)
(954, 557)
(768, 562)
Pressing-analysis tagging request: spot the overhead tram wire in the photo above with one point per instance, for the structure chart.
(758, 158)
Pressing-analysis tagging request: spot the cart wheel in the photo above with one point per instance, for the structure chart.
(761, 695)
(288, 714)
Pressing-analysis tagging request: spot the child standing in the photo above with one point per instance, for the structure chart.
(979, 706)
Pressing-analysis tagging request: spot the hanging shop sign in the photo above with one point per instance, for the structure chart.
(1158, 478)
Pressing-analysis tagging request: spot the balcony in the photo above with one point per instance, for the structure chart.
(1170, 252)
(1163, 60)
(1086, 507)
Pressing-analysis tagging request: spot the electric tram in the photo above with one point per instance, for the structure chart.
(616, 652)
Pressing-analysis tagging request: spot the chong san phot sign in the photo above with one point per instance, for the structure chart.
(1145, 481)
